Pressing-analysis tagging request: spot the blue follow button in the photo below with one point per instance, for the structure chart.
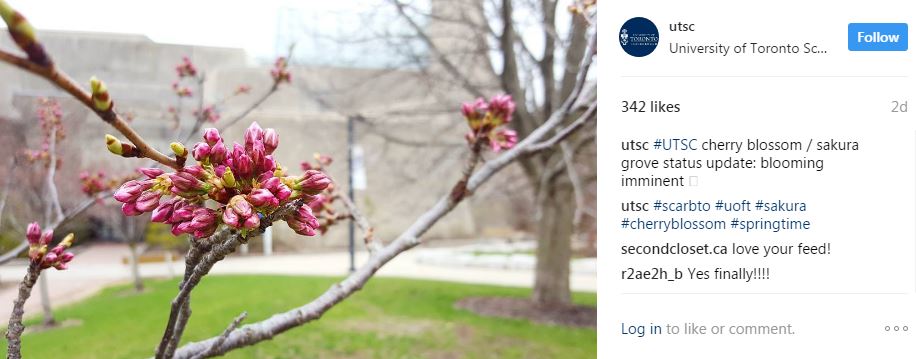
(877, 37)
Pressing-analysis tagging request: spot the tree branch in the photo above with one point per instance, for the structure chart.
(110, 116)
(266, 329)
(222, 338)
(225, 242)
(14, 332)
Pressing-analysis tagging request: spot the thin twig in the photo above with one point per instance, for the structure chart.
(372, 244)
(64, 82)
(222, 338)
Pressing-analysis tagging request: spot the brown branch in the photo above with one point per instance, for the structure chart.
(69, 216)
(14, 332)
(222, 338)
(372, 244)
(562, 134)
(225, 242)
(446, 63)
(64, 82)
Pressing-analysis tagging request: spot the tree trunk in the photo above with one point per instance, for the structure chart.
(134, 257)
(554, 230)
(48, 320)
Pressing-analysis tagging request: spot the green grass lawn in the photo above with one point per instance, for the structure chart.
(389, 318)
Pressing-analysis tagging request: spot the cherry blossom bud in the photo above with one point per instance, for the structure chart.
(230, 218)
(318, 202)
(252, 222)
(501, 107)
(33, 233)
(262, 197)
(181, 212)
(178, 149)
(271, 184)
(197, 171)
(203, 218)
(475, 112)
(46, 237)
(240, 206)
(503, 139)
(130, 209)
(49, 260)
(313, 182)
(323, 159)
(201, 151)
(148, 201)
(243, 165)
(302, 221)
(101, 100)
(271, 140)
(66, 257)
(257, 154)
(211, 135)
(218, 152)
(162, 212)
(253, 134)
(150, 172)
(130, 190)
(283, 193)
(186, 182)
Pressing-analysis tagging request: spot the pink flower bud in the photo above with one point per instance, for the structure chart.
(200, 151)
(58, 250)
(257, 154)
(240, 206)
(46, 237)
(262, 197)
(318, 202)
(271, 140)
(181, 212)
(268, 165)
(302, 221)
(150, 172)
(252, 222)
(503, 139)
(230, 218)
(33, 233)
(49, 260)
(283, 192)
(203, 218)
(66, 257)
(197, 171)
(313, 182)
(148, 201)
(130, 209)
(185, 181)
(217, 152)
(502, 107)
(253, 134)
(163, 211)
(130, 190)
(242, 165)
(211, 135)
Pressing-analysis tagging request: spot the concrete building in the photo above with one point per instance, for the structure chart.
(404, 110)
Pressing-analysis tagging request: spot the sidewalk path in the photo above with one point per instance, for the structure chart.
(100, 266)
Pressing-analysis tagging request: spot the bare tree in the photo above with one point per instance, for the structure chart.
(502, 33)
